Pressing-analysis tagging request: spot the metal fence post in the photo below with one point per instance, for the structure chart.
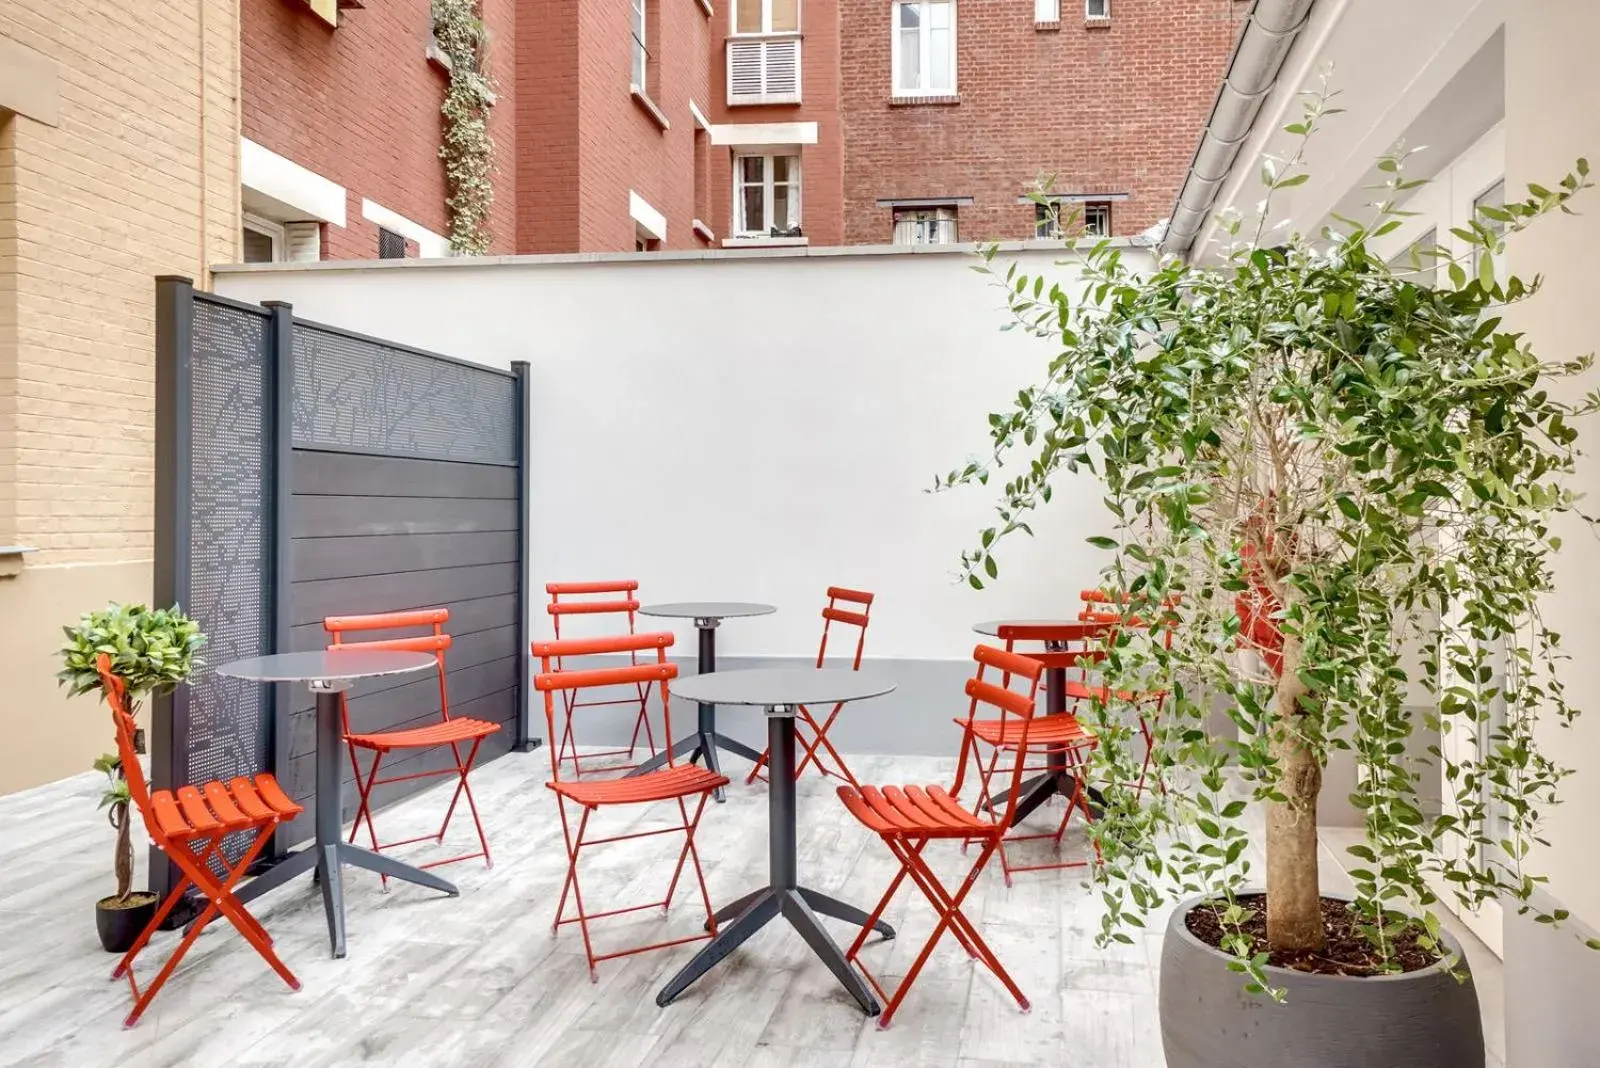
(527, 738)
(169, 714)
(280, 430)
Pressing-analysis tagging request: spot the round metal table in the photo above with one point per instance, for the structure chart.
(779, 690)
(328, 673)
(705, 741)
(1057, 780)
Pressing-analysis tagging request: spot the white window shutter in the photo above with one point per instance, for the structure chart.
(302, 242)
(1047, 10)
(765, 71)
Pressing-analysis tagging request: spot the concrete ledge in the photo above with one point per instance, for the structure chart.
(29, 83)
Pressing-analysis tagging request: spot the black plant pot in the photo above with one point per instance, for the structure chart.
(119, 922)
(1421, 1019)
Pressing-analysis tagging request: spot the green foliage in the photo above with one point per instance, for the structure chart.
(1380, 453)
(152, 650)
(468, 150)
(116, 786)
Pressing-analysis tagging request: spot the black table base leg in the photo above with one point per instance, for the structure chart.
(757, 914)
(655, 763)
(394, 869)
(291, 866)
(830, 906)
(332, 896)
(738, 748)
(802, 919)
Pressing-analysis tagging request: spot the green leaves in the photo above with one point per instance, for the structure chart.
(152, 650)
(1371, 459)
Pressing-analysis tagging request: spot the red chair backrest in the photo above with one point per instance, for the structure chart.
(845, 617)
(626, 604)
(436, 643)
(1016, 707)
(116, 693)
(1066, 645)
(552, 678)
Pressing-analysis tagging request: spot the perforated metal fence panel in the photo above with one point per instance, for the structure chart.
(305, 471)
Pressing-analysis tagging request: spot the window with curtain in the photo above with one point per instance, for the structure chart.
(924, 52)
(766, 16)
(925, 226)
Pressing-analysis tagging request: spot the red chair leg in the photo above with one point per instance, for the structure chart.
(364, 808)
(463, 769)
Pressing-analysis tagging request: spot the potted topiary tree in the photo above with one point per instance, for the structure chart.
(152, 651)
(1334, 478)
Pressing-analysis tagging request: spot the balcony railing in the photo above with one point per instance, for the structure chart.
(764, 70)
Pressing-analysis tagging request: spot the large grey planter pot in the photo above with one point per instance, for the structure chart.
(1425, 1019)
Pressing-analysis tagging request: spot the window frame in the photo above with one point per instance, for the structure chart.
(1090, 16)
(766, 20)
(1047, 218)
(639, 50)
(896, 61)
(940, 214)
(796, 184)
(273, 231)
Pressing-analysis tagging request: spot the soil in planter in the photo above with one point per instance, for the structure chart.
(1347, 952)
(137, 899)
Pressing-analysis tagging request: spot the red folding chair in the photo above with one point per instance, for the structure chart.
(455, 733)
(1099, 609)
(189, 826)
(908, 818)
(1059, 740)
(627, 605)
(804, 721)
(675, 782)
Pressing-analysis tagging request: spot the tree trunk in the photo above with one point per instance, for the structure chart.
(124, 861)
(1294, 908)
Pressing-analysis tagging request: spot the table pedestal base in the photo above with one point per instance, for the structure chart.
(324, 862)
(800, 906)
(1039, 789)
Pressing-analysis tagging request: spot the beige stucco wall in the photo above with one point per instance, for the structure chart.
(118, 162)
(1552, 118)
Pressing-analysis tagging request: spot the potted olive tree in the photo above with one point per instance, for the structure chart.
(152, 651)
(1334, 478)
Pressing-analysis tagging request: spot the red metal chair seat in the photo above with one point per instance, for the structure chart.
(675, 782)
(908, 818)
(462, 736)
(188, 825)
(681, 780)
(455, 730)
(215, 807)
(1046, 732)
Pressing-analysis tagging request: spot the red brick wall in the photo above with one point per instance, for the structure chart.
(359, 105)
(1105, 108)
(821, 164)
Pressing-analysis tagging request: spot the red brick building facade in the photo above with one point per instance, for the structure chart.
(682, 124)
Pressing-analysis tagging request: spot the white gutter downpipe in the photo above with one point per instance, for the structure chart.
(1258, 57)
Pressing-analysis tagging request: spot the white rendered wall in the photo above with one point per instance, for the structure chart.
(747, 428)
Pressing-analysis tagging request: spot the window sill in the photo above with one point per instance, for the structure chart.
(761, 241)
(705, 5)
(11, 557)
(649, 107)
(907, 100)
(1097, 24)
(1053, 26)
(441, 59)
(703, 232)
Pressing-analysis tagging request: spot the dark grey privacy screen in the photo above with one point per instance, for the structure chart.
(305, 471)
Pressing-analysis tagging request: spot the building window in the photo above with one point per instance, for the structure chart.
(1096, 9)
(924, 48)
(766, 196)
(1418, 262)
(641, 57)
(766, 16)
(925, 226)
(391, 246)
(263, 241)
(702, 175)
(1051, 220)
(1493, 197)
(1046, 11)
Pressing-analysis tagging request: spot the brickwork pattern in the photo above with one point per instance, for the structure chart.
(139, 178)
(1110, 107)
(359, 105)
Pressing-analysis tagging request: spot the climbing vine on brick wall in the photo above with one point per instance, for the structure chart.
(468, 150)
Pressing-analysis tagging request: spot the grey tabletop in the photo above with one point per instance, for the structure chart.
(326, 665)
(770, 687)
(707, 609)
